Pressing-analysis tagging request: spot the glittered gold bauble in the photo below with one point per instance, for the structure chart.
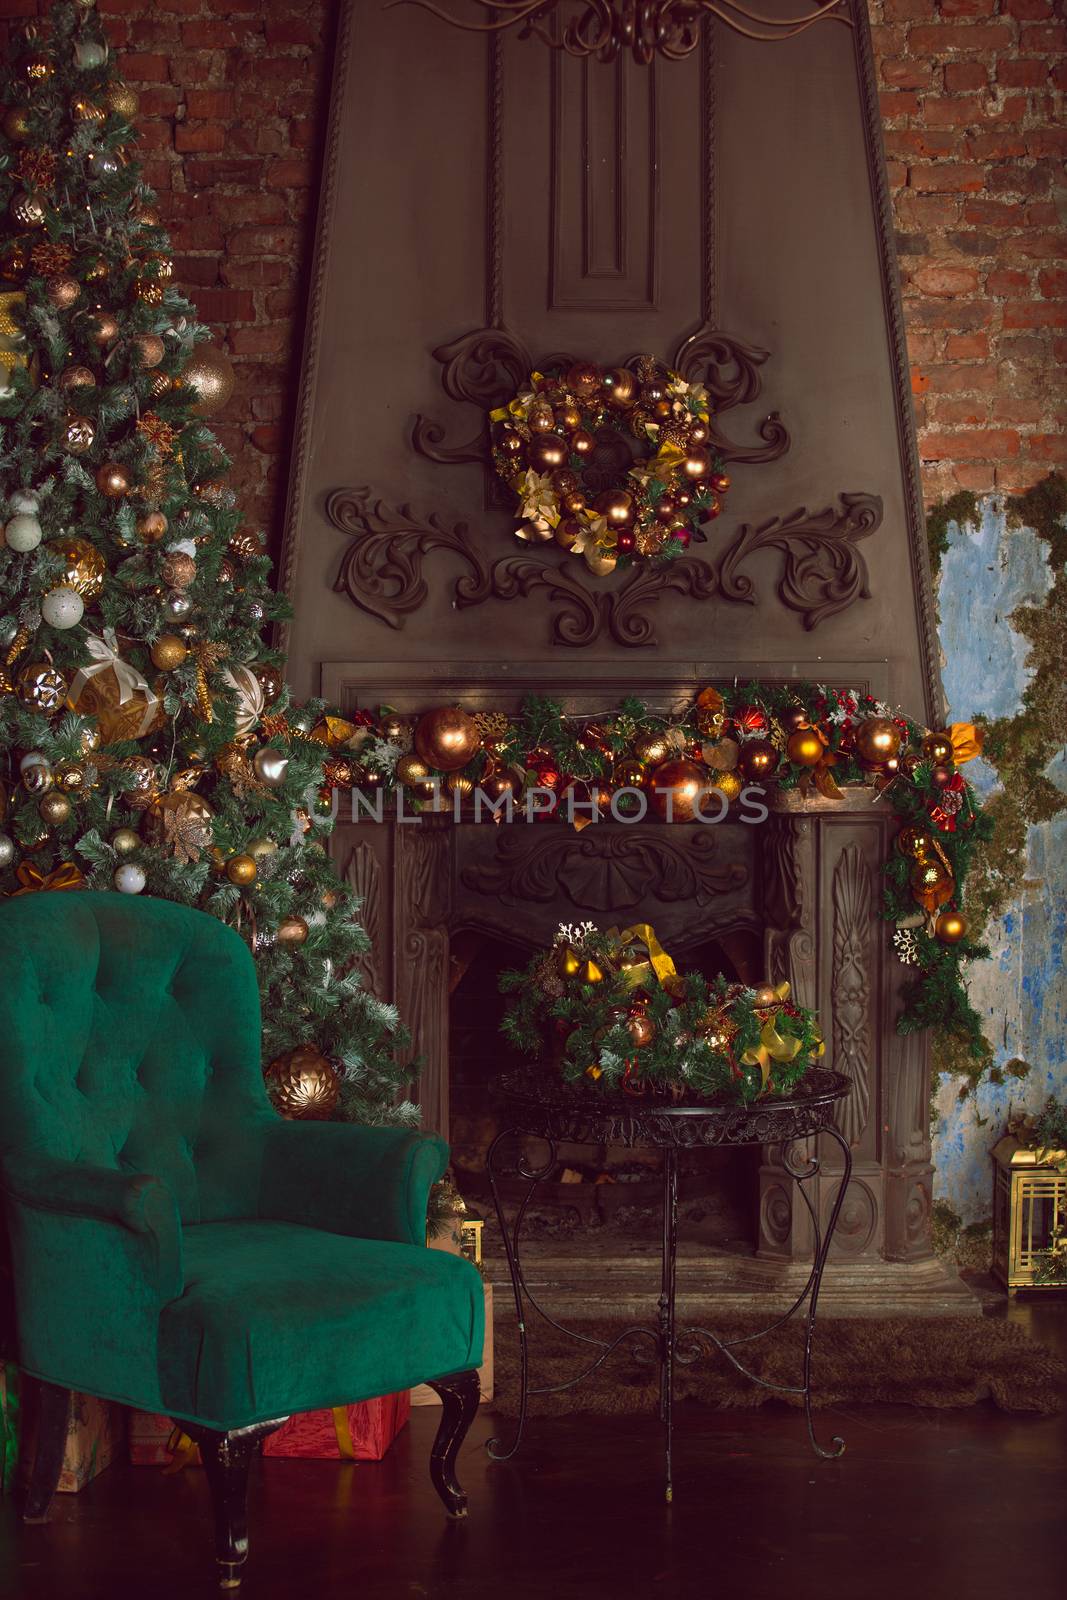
(38, 68)
(148, 349)
(123, 101)
(103, 328)
(758, 758)
(764, 996)
(950, 927)
(16, 124)
(582, 442)
(209, 375)
(728, 782)
(675, 788)
(85, 567)
(260, 849)
(914, 842)
(616, 507)
(62, 292)
(303, 1085)
(641, 1028)
(179, 570)
(77, 435)
(169, 652)
(124, 841)
(805, 748)
(583, 379)
(651, 749)
(41, 687)
(411, 769)
(76, 378)
(54, 808)
(214, 492)
(149, 291)
(151, 527)
(241, 869)
(447, 738)
(547, 451)
(620, 387)
(931, 885)
(937, 747)
(113, 480)
(292, 930)
(82, 109)
(877, 740)
(28, 209)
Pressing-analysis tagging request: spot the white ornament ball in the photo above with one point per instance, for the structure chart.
(271, 766)
(187, 547)
(7, 850)
(25, 502)
(33, 758)
(89, 53)
(63, 608)
(23, 532)
(129, 878)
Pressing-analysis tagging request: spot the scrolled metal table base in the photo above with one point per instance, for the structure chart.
(552, 1113)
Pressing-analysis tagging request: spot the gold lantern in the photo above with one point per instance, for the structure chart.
(1029, 1213)
(470, 1236)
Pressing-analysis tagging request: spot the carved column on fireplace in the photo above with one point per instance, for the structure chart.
(421, 893)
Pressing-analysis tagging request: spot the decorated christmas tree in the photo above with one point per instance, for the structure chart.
(147, 742)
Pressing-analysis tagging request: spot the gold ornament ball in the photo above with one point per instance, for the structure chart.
(629, 773)
(125, 841)
(583, 379)
(89, 738)
(16, 124)
(759, 758)
(303, 1085)
(931, 885)
(82, 109)
(85, 567)
(270, 681)
(675, 789)
(140, 783)
(259, 849)
(696, 465)
(641, 1028)
(70, 777)
(76, 378)
(877, 740)
(179, 570)
(764, 996)
(113, 480)
(78, 435)
(651, 749)
(28, 209)
(447, 738)
(41, 687)
(14, 262)
(411, 769)
(937, 747)
(805, 748)
(149, 291)
(169, 652)
(122, 100)
(38, 67)
(209, 374)
(914, 842)
(62, 292)
(728, 782)
(292, 930)
(241, 869)
(54, 808)
(159, 386)
(151, 527)
(148, 349)
(620, 387)
(103, 328)
(950, 927)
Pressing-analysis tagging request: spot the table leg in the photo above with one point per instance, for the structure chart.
(822, 1250)
(666, 1309)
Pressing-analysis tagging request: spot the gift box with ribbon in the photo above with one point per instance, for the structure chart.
(119, 698)
(360, 1432)
(155, 1441)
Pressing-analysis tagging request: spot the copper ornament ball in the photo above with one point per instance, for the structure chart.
(620, 386)
(641, 1028)
(877, 739)
(209, 375)
(759, 758)
(510, 442)
(574, 502)
(546, 452)
(148, 349)
(941, 776)
(675, 789)
(568, 418)
(696, 465)
(103, 328)
(794, 718)
(76, 378)
(582, 442)
(303, 1085)
(62, 292)
(447, 738)
(292, 930)
(151, 526)
(583, 379)
(113, 480)
(937, 747)
(805, 748)
(179, 570)
(616, 507)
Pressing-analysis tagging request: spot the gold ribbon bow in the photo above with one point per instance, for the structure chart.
(966, 741)
(774, 1046)
(32, 879)
(653, 963)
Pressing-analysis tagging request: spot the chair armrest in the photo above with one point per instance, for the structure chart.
(371, 1183)
(141, 1203)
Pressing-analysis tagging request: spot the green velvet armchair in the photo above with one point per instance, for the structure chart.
(175, 1244)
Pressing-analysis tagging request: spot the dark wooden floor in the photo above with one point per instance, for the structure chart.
(949, 1505)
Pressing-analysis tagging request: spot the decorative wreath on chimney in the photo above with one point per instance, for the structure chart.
(615, 465)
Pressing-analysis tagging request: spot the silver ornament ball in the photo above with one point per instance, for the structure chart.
(177, 605)
(130, 878)
(271, 766)
(7, 850)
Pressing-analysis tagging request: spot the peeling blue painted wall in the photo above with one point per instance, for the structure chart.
(1021, 991)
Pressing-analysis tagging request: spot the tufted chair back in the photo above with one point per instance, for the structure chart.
(130, 1039)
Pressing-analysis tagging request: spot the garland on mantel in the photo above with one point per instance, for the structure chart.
(810, 738)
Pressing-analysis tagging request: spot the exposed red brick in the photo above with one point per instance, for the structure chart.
(943, 279)
(966, 346)
(966, 75)
(948, 177)
(970, 444)
(1035, 314)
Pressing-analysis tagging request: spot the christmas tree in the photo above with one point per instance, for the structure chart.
(147, 742)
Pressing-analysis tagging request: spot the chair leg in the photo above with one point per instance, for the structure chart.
(226, 1458)
(53, 1414)
(460, 1393)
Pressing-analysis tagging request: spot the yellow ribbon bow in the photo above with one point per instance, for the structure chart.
(32, 879)
(966, 741)
(656, 963)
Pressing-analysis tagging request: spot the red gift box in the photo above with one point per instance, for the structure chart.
(361, 1432)
(155, 1441)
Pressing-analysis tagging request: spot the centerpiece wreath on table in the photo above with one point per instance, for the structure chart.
(565, 444)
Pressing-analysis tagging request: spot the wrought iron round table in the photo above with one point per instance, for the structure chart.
(547, 1109)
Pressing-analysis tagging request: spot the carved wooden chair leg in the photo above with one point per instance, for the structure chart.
(460, 1393)
(226, 1458)
(53, 1413)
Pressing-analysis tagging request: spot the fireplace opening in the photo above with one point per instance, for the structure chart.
(610, 1189)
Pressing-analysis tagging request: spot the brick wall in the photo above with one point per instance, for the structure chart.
(233, 96)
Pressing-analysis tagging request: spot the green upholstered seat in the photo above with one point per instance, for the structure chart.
(176, 1244)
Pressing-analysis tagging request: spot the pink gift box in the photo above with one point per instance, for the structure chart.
(154, 1441)
(360, 1432)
